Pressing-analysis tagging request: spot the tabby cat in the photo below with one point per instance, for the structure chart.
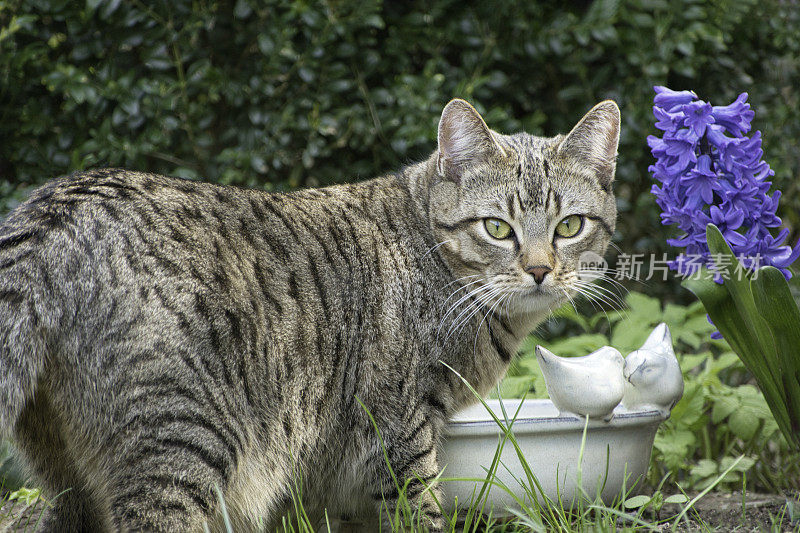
(160, 338)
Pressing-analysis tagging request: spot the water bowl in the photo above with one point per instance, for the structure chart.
(616, 454)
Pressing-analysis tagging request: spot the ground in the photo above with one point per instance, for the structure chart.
(721, 511)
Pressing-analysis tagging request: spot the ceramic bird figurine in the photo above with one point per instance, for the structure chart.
(653, 375)
(590, 385)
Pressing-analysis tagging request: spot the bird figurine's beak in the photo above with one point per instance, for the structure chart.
(543, 354)
(627, 373)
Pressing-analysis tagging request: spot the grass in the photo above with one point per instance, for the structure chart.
(535, 511)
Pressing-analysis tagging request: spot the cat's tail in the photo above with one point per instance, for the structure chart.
(22, 342)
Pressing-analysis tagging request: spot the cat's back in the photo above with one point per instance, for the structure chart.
(113, 246)
(93, 232)
(105, 198)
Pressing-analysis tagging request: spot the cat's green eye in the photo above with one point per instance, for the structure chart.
(497, 228)
(570, 226)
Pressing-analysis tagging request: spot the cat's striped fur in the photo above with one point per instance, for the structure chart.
(160, 337)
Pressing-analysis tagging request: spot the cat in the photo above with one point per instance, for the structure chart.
(162, 339)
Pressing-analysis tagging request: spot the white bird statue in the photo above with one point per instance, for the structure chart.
(590, 385)
(653, 375)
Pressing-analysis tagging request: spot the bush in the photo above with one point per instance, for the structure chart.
(287, 94)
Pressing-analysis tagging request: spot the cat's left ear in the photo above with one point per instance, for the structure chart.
(594, 141)
(464, 140)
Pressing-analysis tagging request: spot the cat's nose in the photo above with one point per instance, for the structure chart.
(538, 272)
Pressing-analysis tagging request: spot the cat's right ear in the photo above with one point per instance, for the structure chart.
(594, 141)
(464, 140)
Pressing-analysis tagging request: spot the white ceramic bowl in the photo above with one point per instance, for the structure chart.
(551, 445)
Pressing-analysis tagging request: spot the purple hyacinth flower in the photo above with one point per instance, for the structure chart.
(701, 181)
(668, 99)
(766, 216)
(710, 172)
(667, 121)
(735, 117)
(741, 195)
(770, 252)
(698, 116)
(682, 147)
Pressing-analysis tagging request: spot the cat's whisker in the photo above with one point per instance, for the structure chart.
(469, 294)
(504, 295)
(497, 295)
(621, 274)
(588, 292)
(480, 289)
(571, 301)
(435, 246)
(476, 306)
(614, 246)
(602, 276)
(592, 299)
(512, 296)
(594, 282)
(611, 300)
(461, 278)
(611, 294)
(463, 287)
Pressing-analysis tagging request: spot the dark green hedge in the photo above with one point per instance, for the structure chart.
(288, 94)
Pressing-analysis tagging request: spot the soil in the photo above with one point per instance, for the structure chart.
(720, 511)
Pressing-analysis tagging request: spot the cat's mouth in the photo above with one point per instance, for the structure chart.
(539, 298)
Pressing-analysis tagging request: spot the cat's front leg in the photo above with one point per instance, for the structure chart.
(412, 449)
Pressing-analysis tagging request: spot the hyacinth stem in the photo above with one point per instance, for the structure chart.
(758, 317)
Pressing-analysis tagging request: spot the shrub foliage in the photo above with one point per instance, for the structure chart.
(282, 94)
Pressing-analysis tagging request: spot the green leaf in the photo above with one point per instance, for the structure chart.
(644, 306)
(25, 495)
(690, 408)
(738, 286)
(515, 386)
(776, 305)
(723, 407)
(676, 498)
(637, 501)
(743, 465)
(725, 361)
(705, 468)
(743, 423)
(691, 361)
(674, 314)
(723, 310)
(629, 335)
(569, 312)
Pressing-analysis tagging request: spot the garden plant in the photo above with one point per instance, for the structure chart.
(714, 187)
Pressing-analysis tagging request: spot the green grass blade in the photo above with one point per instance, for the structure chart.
(547, 506)
(223, 509)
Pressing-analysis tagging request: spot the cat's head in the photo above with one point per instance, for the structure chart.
(516, 213)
